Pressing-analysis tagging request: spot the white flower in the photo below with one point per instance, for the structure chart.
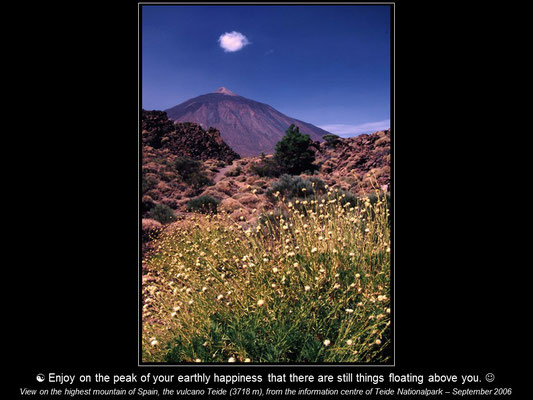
(327, 342)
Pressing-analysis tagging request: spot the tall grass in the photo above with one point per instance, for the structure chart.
(311, 284)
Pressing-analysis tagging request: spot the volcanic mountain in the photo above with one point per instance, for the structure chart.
(247, 126)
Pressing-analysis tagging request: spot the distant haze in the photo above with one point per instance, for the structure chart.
(346, 131)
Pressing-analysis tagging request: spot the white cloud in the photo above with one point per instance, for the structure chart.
(345, 130)
(233, 41)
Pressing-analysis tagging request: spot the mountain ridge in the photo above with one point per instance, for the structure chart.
(248, 126)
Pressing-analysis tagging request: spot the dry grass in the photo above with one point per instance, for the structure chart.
(311, 284)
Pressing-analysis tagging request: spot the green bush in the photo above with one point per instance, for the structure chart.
(266, 168)
(290, 187)
(191, 171)
(348, 197)
(147, 183)
(186, 165)
(293, 154)
(318, 184)
(203, 204)
(147, 203)
(162, 213)
(331, 140)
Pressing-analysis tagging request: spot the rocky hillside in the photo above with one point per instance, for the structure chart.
(183, 139)
(357, 157)
(358, 165)
(247, 126)
(177, 163)
(171, 178)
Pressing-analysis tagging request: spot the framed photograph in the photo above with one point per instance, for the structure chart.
(266, 192)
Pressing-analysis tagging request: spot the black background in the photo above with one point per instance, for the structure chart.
(70, 270)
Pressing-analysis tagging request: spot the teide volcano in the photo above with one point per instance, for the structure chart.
(247, 126)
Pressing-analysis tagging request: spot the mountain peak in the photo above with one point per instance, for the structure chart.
(224, 90)
(247, 126)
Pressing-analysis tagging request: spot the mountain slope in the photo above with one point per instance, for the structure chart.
(247, 126)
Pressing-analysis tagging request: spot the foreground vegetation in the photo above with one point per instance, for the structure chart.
(310, 283)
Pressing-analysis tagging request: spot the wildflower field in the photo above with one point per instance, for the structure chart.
(307, 284)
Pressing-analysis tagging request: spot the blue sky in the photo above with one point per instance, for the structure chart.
(327, 65)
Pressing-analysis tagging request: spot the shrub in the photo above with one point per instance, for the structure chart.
(348, 197)
(234, 172)
(203, 204)
(187, 166)
(318, 184)
(294, 186)
(147, 203)
(162, 213)
(147, 183)
(293, 154)
(191, 171)
(266, 168)
(331, 140)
